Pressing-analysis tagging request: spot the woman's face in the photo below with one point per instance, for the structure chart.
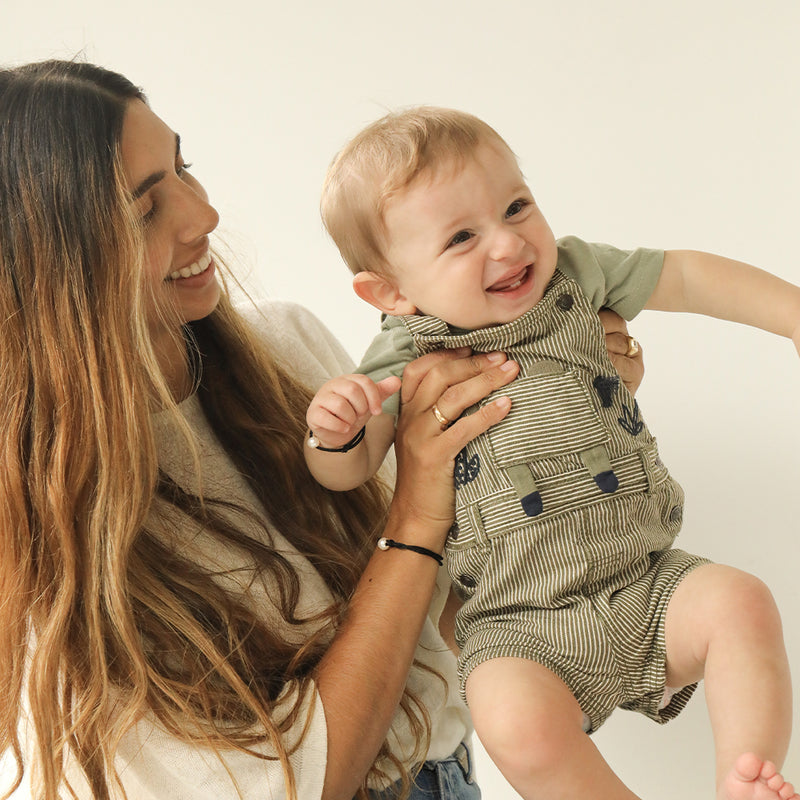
(176, 215)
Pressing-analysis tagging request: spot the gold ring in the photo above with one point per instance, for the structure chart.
(440, 418)
(633, 347)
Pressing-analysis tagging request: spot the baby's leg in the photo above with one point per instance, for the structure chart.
(722, 625)
(531, 726)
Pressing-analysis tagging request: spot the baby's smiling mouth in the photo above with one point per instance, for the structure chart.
(512, 282)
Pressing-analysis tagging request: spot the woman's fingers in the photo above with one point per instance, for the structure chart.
(416, 370)
(426, 431)
(624, 351)
(622, 345)
(455, 382)
(457, 397)
(612, 322)
(466, 428)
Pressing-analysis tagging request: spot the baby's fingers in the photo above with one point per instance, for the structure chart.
(320, 420)
(386, 388)
(366, 396)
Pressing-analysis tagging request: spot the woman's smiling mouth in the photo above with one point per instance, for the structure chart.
(201, 265)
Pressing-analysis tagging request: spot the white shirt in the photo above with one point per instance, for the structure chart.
(154, 765)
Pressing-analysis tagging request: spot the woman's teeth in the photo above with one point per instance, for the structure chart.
(201, 265)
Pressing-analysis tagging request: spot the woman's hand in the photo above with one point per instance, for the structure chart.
(623, 350)
(444, 383)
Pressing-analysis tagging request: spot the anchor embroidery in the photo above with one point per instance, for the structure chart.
(466, 470)
(631, 422)
(606, 387)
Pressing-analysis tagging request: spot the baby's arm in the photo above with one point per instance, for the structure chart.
(702, 283)
(339, 410)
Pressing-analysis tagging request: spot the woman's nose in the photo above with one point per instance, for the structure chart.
(198, 217)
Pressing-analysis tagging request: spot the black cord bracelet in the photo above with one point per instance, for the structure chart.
(385, 544)
(313, 442)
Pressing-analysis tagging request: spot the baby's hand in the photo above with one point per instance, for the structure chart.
(343, 405)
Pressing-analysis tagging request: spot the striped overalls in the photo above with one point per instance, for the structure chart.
(565, 516)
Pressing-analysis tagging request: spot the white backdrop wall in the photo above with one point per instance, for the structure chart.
(672, 124)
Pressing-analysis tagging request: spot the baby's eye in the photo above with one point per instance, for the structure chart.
(181, 168)
(460, 238)
(516, 207)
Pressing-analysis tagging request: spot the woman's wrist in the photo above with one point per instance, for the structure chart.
(389, 544)
(405, 524)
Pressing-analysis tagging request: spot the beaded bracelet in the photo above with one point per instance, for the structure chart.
(314, 443)
(385, 544)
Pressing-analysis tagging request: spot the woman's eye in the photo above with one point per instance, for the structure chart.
(516, 207)
(460, 238)
(149, 215)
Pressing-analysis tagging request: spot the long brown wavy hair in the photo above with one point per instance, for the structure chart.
(94, 603)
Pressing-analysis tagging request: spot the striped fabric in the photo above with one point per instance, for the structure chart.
(565, 515)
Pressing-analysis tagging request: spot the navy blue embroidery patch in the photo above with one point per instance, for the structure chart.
(466, 470)
(607, 481)
(532, 504)
(631, 421)
(606, 387)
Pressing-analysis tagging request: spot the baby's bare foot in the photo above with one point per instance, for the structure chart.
(754, 779)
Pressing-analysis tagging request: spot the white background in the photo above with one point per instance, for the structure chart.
(670, 125)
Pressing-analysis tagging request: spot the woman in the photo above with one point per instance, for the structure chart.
(185, 613)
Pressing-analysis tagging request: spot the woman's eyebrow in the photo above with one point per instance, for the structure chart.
(152, 180)
(147, 183)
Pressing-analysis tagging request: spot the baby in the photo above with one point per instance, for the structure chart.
(574, 600)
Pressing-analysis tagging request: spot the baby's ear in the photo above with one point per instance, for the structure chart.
(380, 292)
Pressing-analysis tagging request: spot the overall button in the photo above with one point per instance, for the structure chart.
(468, 581)
(676, 514)
(565, 302)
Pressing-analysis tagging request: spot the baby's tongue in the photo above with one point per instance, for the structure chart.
(503, 285)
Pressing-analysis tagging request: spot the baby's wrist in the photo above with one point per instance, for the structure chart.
(316, 443)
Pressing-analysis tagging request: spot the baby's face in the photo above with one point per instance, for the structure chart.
(469, 244)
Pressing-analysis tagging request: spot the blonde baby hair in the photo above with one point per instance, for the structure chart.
(382, 160)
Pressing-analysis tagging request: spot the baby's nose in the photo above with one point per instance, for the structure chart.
(505, 245)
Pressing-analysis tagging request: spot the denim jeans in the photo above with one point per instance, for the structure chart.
(447, 779)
